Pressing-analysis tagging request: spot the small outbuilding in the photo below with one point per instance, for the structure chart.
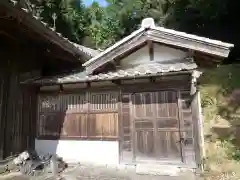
(136, 102)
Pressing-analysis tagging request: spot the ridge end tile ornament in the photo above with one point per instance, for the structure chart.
(148, 23)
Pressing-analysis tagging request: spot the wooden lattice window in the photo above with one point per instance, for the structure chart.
(103, 114)
(90, 115)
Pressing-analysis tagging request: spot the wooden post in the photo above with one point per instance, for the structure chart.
(54, 165)
(197, 122)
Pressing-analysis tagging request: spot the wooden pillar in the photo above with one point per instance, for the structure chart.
(197, 120)
(3, 120)
(4, 93)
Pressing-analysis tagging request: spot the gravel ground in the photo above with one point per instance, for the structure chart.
(98, 173)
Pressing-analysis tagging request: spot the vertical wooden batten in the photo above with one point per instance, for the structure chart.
(197, 130)
(151, 50)
(181, 125)
(120, 128)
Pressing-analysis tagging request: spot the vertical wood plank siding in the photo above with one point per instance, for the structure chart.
(156, 124)
(159, 125)
(4, 80)
(126, 131)
(187, 127)
(150, 122)
(18, 114)
(89, 115)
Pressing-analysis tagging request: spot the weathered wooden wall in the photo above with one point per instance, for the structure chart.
(90, 115)
(17, 106)
(27, 50)
(24, 55)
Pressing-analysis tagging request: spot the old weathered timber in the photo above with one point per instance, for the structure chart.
(28, 50)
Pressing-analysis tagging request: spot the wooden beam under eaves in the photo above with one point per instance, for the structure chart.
(117, 82)
(115, 63)
(150, 50)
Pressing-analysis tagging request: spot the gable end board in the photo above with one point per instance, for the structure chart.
(188, 43)
(161, 54)
(134, 43)
(164, 36)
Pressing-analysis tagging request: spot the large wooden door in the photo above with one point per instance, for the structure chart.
(156, 126)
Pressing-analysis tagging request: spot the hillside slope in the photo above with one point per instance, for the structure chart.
(220, 98)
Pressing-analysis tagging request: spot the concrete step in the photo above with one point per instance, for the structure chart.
(159, 170)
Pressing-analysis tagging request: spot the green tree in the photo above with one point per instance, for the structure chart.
(100, 27)
(67, 16)
(210, 18)
(121, 17)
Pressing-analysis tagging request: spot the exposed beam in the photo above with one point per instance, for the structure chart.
(150, 50)
(190, 53)
(10, 36)
(61, 88)
(117, 81)
(88, 84)
(152, 79)
(116, 63)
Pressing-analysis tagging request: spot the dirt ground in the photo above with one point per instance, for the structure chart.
(96, 173)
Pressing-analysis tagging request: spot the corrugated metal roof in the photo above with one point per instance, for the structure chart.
(141, 70)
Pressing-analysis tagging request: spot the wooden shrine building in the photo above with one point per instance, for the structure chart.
(134, 103)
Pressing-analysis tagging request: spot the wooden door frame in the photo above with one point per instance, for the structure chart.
(196, 129)
(133, 132)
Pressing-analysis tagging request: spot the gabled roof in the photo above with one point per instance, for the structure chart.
(35, 23)
(152, 68)
(149, 31)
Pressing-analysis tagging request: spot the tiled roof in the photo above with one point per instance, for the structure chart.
(82, 49)
(86, 50)
(192, 36)
(168, 32)
(142, 70)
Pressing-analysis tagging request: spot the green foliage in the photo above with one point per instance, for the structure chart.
(207, 100)
(67, 16)
(126, 16)
(100, 27)
(235, 154)
(221, 120)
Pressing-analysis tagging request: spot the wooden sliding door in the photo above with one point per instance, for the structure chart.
(157, 127)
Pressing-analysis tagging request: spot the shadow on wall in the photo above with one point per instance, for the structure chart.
(73, 125)
(49, 129)
(220, 91)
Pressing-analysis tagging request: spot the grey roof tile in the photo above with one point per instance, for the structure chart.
(153, 68)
